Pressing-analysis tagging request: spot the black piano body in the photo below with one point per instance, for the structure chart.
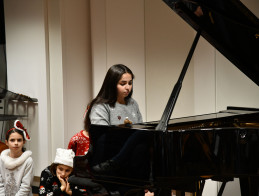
(219, 146)
(182, 153)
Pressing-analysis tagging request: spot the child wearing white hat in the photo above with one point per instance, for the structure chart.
(54, 178)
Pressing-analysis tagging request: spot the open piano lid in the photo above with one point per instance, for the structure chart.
(229, 26)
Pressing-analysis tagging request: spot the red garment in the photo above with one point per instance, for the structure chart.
(79, 143)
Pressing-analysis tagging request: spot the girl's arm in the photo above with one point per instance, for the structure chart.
(139, 116)
(47, 183)
(26, 182)
(63, 182)
(72, 144)
(68, 189)
(100, 115)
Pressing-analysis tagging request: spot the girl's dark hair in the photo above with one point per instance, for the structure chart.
(108, 91)
(53, 168)
(13, 130)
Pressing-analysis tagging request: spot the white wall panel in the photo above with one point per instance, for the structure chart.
(168, 40)
(77, 71)
(122, 31)
(27, 70)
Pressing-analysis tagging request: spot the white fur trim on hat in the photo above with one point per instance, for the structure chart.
(18, 125)
(64, 157)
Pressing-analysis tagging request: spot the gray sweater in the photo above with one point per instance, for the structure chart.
(16, 174)
(103, 114)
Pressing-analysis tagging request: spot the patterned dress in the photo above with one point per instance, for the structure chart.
(50, 185)
(79, 143)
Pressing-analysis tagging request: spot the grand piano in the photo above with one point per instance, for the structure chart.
(183, 153)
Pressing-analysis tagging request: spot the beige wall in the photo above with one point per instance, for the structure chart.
(118, 37)
(27, 70)
(77, 65)
(70, 68)
(49, 60)
(167, 42)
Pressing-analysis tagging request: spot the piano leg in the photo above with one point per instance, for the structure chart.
(249, 186)
(222, 187)
(200, 187)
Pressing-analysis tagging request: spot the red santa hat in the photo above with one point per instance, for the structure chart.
(18, 125)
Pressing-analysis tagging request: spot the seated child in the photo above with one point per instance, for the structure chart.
(16, 164)
(54, 178)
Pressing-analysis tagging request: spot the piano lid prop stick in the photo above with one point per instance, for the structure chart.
(174, 95)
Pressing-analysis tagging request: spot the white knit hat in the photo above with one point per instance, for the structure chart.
(64, 157)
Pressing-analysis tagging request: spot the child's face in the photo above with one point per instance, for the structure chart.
(124, 86)
(63, 171)
(15, 142)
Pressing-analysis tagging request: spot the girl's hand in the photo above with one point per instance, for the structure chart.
(68, 190)
(63, 183)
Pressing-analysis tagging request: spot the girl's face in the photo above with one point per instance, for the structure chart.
(15, 143)
(124, 87)
(63, 171)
